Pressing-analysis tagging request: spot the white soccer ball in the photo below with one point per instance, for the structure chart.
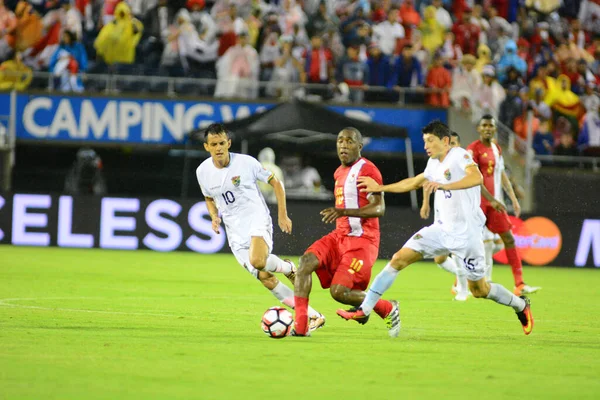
(277, 322)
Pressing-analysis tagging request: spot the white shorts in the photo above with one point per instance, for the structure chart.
(242, 252)
(261, 227)
(432, 241)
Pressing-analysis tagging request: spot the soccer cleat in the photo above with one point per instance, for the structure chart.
(292, 274)
(355, 314)
(524, 288)
(461, 296)
(316, 322)
(525, 316)
(293, 333)
(392, 320)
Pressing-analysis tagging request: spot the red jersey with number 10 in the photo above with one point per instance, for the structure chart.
(348, 195)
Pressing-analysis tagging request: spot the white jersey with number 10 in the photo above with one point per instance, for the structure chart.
(235, 191)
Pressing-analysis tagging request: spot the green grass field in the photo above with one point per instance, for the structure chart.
(91, 324)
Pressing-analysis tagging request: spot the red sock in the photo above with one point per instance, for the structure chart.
(515, 264)
(301, 311)
(383, 308)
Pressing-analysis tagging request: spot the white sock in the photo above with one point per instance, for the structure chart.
(448, 265)
(501, 295)
(497, 247)
(286, 296)
(382, 282)
(276, 264)
(462, 286)
(489, 260)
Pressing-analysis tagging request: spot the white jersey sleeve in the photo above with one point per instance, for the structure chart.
(200, 178)
(464, 159)
(258, 171)
(429, 170)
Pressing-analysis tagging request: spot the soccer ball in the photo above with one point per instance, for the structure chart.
(277, 322)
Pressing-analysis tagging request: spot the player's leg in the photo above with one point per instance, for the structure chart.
(474, 263)
(494, 291)
(281, 292)
(488, 246)
(450, 264)
(424, 243)
(260, 258)
(353, 274)
(515, 264)
(316, 259)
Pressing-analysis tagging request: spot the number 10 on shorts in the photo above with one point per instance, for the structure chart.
(355, 265)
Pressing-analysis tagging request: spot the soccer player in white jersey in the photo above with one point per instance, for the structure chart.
(229, 183)
(452, 264)
(455, 179)
(447, 262)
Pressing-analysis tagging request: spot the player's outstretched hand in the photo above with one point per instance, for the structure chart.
(517, 208)
(331, 214)
(498, 206)
(432, 186)
(216, 223)
(425, 212)
(367, 184)
(285, 223)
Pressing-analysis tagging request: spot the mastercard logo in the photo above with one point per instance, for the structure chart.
(538, 241)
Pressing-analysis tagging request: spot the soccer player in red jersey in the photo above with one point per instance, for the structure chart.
(342, 260)
(488, 156)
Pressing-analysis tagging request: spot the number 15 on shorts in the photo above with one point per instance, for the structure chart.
(355, 265)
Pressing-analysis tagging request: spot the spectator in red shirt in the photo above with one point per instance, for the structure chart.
(410, 18)
(318, 63)
(466, 33)
(438, 78)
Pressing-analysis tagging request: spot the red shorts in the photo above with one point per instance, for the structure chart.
(344, 260)
(497, 222)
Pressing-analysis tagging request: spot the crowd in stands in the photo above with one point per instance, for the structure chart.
(504, 57)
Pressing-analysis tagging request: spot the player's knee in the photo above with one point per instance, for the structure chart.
(398, 261)
(308, 264)
(339, 293)
(258, 262)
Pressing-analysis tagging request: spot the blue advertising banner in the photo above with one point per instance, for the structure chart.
(122, 120)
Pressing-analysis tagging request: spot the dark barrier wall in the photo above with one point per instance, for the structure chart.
(167, 225)
(560, 190)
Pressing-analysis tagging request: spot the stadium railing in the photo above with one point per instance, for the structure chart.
(111, 84)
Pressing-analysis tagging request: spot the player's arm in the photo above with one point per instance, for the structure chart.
(368, 184)
(425, 208)
(375, 209)
(473, 178)
(214, 214)
(511, 194)
(498, 206)
(285, 223)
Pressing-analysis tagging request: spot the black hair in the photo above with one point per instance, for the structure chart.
(487, 117)
(215, 129)
(437, 128)
(356, 132)
(72, 36)
(456, 135)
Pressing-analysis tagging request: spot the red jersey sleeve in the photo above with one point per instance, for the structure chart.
(372, 171)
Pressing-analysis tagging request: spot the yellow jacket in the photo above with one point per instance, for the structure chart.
(484, 57)
(14, 75)
(432, 32)
(117, 41)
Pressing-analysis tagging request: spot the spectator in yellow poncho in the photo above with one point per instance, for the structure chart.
(484, 57)
(432, 32)
(563, 101)
(14, 74)
(541, 82)
(117, 41)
